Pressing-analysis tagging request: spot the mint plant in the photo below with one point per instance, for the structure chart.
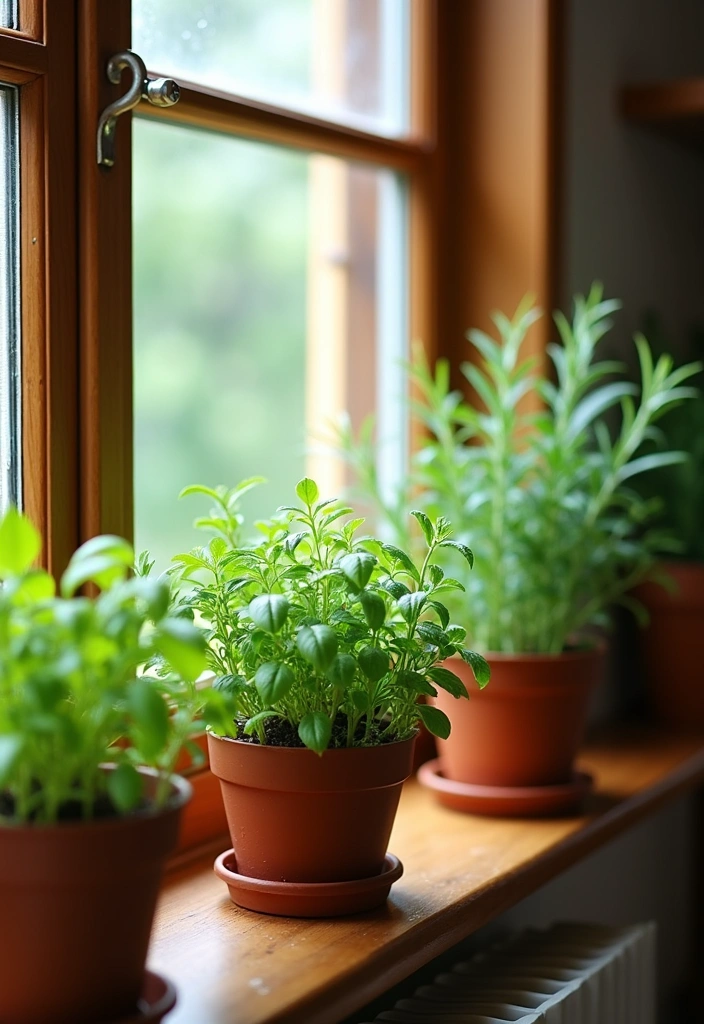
(321, 638)
(71, 685)
(546, 496)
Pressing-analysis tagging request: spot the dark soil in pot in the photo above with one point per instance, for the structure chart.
(77, 905)
(295, 816)
(525, 728)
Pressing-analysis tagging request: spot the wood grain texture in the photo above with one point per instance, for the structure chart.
(202, 107)
(105, 281)
(501, 186)
(460, 872)
(674, 109)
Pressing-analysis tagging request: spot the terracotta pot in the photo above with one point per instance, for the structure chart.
(673, 646)
(76, 906)
(297, 817)
(525, 727)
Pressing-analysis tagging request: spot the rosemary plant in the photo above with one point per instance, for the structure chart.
(542, 489)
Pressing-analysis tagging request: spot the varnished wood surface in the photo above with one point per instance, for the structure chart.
(231, 965)
(675, 109)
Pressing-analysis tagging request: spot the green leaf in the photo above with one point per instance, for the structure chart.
(36, 586)
(479, 666)
(125, 787)
(20, 543)
(399, 557)
(102, 560)
(150, 713)
(10, 749)
(273, 681)
(462, 548)
(374, 663)
(357, 568)
(448, 681)
(374, 609)
(442, 613)
(432, 634)
(395, 588)
(318, 645)
(255, 721)
(415, 681)
(307, 491)
(269, 612)
(425, 525)
(435, 720)
(410, 605)
(315, 730)
(342, 670)
(360, 699)
(183, 646)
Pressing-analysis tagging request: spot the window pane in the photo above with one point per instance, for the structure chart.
(258, 277)
(8, 14)
(10, 439)
(340, 59)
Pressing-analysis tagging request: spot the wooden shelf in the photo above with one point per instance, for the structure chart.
(460, 872)
(674, 109)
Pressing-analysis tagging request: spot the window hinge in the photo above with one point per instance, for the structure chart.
(160, 92)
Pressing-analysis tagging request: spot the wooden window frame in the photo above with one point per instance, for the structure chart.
(483, 77)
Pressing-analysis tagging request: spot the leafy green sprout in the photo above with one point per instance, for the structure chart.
(317, 627)
(72, 693)
(546, 497)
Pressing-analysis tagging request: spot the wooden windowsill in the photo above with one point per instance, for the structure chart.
(460, 872)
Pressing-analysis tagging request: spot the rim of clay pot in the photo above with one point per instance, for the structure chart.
(299, 769)
(595, 650)
(181, 792)
(390, 873)
(158, 997)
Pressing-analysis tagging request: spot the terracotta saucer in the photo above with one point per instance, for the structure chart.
(307, 899)
(505, 801)
(157, 999)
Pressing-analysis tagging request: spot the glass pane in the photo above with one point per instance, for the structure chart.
(340, 59)
(258, 276)
(10, 439)
(8, 14)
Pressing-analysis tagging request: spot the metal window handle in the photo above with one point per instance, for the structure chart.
(160, 92)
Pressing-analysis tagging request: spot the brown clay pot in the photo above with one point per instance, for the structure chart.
(76, 906)
(673, 646)
(295, 816)
(525, 727)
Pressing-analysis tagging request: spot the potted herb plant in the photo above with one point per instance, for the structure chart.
(85, 828)
(673, 597)
(322, 644)
(543, 489)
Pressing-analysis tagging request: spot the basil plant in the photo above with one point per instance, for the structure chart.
(319, 637)
(72, 693)
(536, 472)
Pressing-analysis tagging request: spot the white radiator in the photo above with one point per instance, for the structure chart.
(567, 974)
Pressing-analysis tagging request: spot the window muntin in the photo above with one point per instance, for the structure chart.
(270, 295)
(10, 418)
(344, 60)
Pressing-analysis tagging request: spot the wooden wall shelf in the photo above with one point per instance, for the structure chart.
(674, 109)
(461, 872)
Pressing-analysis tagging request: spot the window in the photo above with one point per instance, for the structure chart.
(254, 263)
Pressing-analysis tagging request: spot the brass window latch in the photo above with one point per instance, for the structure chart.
(160, 92)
